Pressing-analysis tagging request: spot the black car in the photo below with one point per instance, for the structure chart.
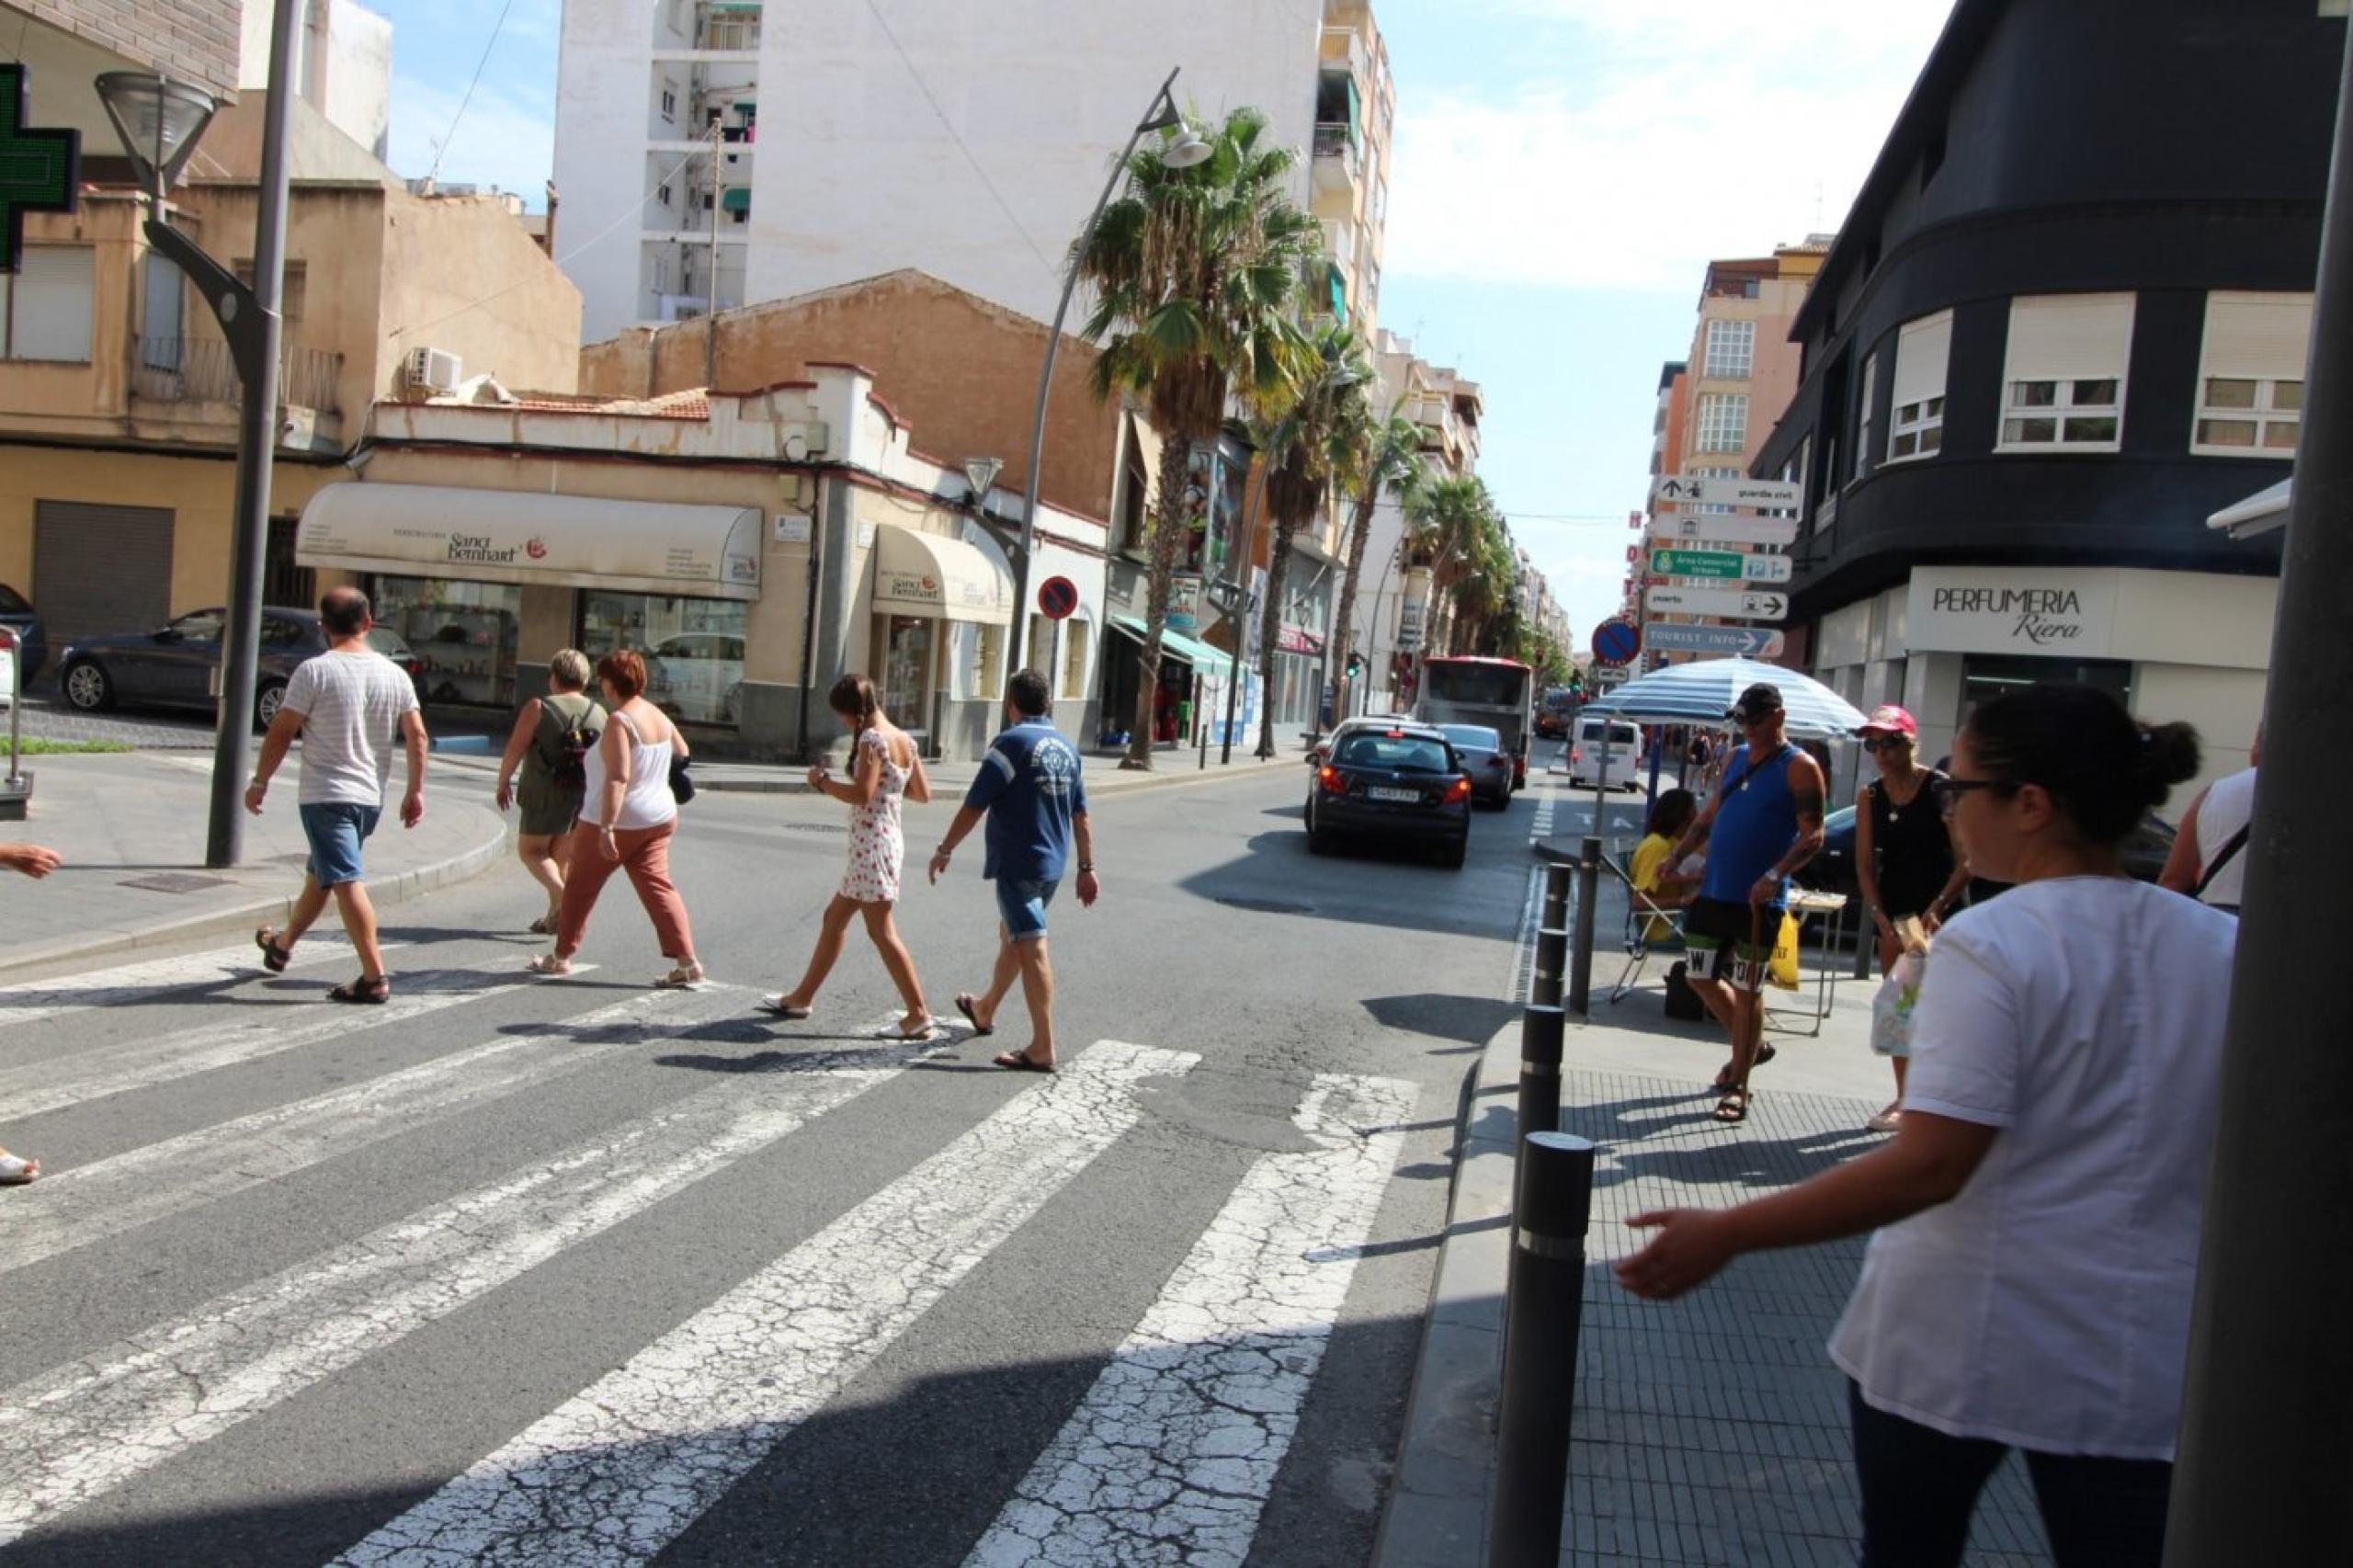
(1403, 784)
(18, 614)
(1833, 869)
(172, 666)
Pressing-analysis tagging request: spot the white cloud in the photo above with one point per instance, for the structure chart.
(500, 141)
(1685, 129)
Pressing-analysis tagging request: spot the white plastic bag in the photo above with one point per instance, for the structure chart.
(1892, 1009)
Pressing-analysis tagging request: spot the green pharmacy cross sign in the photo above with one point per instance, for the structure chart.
(41, 171)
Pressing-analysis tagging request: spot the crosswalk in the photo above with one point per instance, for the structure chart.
(1170, 1457)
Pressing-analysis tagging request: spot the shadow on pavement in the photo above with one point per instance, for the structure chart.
(1468, 1020)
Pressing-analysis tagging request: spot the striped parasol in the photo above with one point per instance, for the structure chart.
(1703, 692)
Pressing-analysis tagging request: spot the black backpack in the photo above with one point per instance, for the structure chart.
(573, 741)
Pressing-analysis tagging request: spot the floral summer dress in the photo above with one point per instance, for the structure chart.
(876, 847)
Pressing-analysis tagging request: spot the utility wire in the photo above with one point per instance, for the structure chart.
(983, 174)
(443, 151)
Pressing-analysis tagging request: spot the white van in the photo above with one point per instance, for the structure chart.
(1624, 746)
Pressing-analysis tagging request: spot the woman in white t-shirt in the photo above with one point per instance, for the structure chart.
(2030, 1285)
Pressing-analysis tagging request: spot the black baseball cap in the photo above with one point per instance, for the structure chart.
(1756, 701)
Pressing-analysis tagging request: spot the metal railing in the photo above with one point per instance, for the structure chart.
(731, 33)
(199, 369)
(1337, 140)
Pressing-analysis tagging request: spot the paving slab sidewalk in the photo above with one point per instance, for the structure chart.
(1708, 1430)
(132, 827)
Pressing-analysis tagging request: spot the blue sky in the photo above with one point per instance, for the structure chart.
(1563, 170)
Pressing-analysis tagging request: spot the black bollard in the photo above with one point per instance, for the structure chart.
(1589, 869)
(1556, 894)
(1551, 966)
(1540, 1032)
(1550, 1204)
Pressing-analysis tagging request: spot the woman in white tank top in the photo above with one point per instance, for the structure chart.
(627, 816)
(2208, 849)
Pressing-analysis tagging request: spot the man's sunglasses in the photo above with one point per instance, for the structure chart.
(1951, 790)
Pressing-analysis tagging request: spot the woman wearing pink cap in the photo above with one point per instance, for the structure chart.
(1907, 860)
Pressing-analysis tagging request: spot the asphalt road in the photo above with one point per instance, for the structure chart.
(578, 1272)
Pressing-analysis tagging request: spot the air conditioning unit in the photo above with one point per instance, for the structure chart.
(435, 369)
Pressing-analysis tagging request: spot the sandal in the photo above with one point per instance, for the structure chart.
(777, 1007)
(1733, 1107)
(1018, 1061)
(1723, 1077)
(964, 1005)
(899, 1031)
(15, 1170)
(274, 958)
(682, 977)
(543, 927)
(547, 963)
(375, 992)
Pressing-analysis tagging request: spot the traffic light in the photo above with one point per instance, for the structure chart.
(1356, 664)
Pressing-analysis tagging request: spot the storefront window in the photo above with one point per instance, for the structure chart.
(907, 670)
(1985, 677)
(1041, 646)
(693, 649)
(463, 635)
(988, 667)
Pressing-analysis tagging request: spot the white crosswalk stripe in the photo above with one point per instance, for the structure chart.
(1173, 1454)
(107, 1197)
(84, 1430)
(152, 980)
(55, 1083)
(615, 1474)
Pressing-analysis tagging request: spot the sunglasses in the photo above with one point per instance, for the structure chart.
(1877, 744)
(1950, 791)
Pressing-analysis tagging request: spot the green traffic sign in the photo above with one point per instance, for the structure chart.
(41, 171)
(1698, 564)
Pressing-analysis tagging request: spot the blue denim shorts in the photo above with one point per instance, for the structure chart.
(336, 829)
(1023, 903)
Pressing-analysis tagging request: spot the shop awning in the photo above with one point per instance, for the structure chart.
(2259, 512)
(512, 535)
(930, 574)
(1175, 645)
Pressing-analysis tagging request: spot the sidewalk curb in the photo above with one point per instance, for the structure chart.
(408, 885)
(1157, 779)
(1437, 1513)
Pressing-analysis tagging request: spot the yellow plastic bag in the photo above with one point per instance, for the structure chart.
(1783, 969)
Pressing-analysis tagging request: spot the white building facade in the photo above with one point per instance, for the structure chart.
(761, 153)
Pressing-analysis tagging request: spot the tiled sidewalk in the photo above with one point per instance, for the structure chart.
(1713, 1429)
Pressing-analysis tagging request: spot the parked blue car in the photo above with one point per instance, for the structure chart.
(33, 643)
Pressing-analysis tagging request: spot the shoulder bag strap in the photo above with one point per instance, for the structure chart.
(2230, 849)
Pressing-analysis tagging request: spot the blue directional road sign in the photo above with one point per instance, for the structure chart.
(1616, 642)
(1752, 642)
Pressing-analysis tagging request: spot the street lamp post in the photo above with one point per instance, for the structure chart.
(1186, 151)
(159, 122)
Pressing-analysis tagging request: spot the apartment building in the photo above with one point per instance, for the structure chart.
(740, 153)
(2065, 323)
(342, 64)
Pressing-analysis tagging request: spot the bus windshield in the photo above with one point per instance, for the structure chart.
(1494, 685)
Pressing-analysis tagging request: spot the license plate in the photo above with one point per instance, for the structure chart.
(1378, 793)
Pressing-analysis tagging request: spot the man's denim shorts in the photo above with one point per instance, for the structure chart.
(336, 829)
(1023, 904)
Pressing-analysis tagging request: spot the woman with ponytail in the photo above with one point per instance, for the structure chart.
(884, 766)
(2038, 1212)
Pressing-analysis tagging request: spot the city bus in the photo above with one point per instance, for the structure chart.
(1498, 693)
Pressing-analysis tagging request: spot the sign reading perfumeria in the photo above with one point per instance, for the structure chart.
(2012, 610)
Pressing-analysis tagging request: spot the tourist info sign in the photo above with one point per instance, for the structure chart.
(1749, 641)
(1694, 527)
(1704, 490)
(1744, 604)
(1728, 564)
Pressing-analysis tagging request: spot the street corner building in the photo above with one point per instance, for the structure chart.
(2065, 323)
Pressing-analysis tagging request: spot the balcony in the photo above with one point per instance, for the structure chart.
(199, 369)
(1345, 46)
(1340, 158)
(1340, 243)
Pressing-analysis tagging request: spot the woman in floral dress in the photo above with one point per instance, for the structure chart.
(884, 766)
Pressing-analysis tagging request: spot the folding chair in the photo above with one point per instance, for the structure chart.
(1641, 912)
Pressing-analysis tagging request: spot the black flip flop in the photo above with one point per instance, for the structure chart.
(1733, 1109)
(1018, 1061)
(373, 992)
(273, 958)
(964, 1005)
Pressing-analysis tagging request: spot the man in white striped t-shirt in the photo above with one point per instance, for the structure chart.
(349, 704)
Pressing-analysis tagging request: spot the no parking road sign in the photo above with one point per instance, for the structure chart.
(1057, 597)
(1616, 643)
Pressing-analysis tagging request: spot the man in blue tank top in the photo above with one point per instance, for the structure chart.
(1764, 822)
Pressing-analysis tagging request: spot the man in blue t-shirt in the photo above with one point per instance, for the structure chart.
(1031, 790)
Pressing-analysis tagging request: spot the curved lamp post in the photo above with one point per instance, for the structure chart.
(1186, 152)
(160, 122)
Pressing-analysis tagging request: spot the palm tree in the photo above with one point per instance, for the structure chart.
(1194, 271)
(1320, 427)
(1391, 458)
(1448, 522)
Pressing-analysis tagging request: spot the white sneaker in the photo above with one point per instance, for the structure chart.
(1887, 1120)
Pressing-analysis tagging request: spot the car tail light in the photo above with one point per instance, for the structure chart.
(1496, 760)
(1458, 791)
(1333, 780)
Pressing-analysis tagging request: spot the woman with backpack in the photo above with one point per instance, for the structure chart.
(550, 743)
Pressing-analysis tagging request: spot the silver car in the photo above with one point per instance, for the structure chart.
(1481, 751)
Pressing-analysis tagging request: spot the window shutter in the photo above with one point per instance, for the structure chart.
(2259, 337)
(53, 303)
(1921, 351)
(2064, 336)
